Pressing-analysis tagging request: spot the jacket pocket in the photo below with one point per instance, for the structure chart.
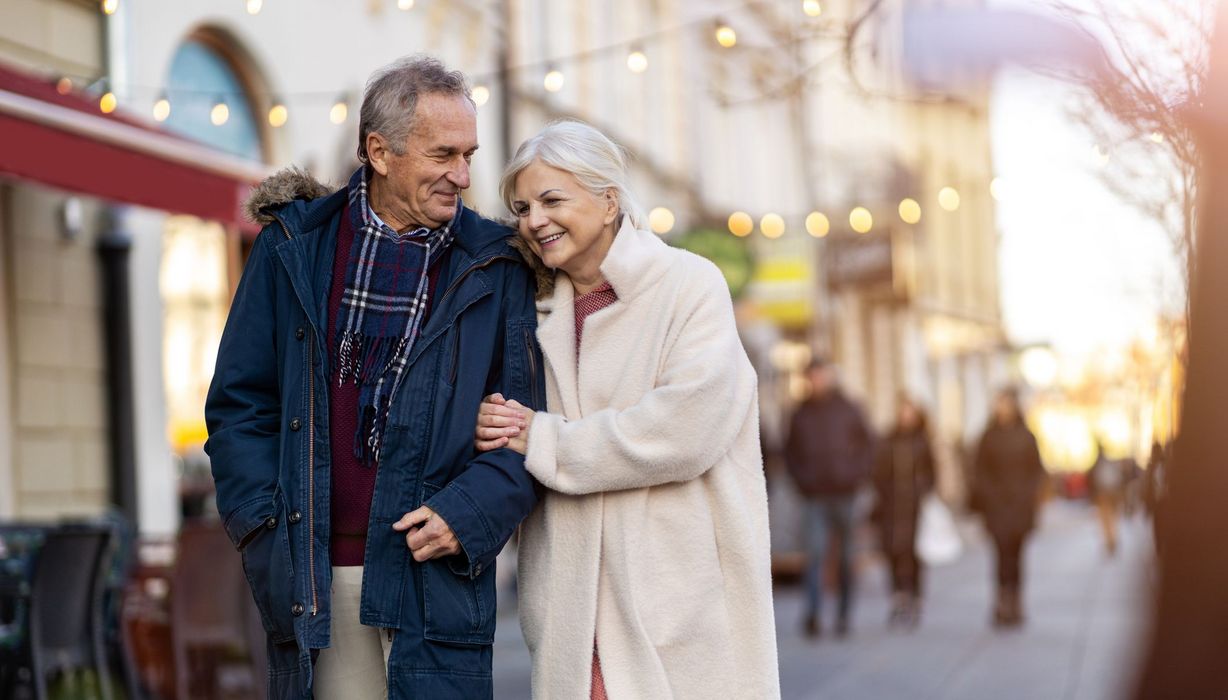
(270, 573)
(524, 363)
(457, 609)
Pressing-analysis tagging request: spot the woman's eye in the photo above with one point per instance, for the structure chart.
(550, 202)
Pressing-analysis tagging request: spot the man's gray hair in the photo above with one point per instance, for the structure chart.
(391, 97)
(597, 163)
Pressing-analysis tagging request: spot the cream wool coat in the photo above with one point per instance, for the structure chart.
(653, 536)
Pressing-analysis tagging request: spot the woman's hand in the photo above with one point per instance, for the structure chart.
(502, 423)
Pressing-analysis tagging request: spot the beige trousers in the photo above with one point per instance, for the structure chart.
(356, 665)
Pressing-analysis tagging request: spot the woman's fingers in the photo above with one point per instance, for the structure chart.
(484, 433)
(488, 445)
(492, 420)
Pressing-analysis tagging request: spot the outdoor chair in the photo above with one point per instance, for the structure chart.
(216, 633)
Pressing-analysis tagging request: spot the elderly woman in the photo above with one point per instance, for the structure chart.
(645, 569)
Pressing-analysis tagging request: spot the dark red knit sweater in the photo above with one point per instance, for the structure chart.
(353, 485)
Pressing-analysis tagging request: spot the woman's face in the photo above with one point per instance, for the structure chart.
(567, 226)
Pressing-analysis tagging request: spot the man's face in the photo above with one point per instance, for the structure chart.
(821, 380)
(425, 182)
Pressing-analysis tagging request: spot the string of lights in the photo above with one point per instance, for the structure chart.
(278, 112)
(661, 219)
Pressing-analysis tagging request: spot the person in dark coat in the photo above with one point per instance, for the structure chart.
(1006, 489)
(903, 475)
(829, 454)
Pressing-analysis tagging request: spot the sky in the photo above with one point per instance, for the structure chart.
(1080, 269)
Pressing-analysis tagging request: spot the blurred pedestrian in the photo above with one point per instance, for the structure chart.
(645, 572)
(1155, 487)
(343, 459)
(1108, 485)
(1006, 489)
(903, 475)
(829, 453)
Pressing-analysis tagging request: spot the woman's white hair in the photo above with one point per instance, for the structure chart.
(597, 163)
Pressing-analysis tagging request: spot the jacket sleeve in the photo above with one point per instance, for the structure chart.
(702, 398)
(243, 406)
(486, 502)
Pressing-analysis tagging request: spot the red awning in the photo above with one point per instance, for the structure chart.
(65, 141)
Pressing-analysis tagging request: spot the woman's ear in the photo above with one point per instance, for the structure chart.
(611, 206)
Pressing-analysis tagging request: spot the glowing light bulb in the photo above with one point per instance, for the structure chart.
(637, 62)
(772, 225)
(220, 113)
(278, 115)
(740, 224)
(860, 220)
(817, 224)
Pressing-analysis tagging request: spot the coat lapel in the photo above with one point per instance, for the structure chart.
(556, 334)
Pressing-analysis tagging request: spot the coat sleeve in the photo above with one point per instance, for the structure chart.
(704, 395)
(486, 502)
(243, 406)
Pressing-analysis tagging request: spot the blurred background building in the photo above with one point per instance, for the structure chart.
(853, 213)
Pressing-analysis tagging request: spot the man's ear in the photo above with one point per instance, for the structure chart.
(377, 153)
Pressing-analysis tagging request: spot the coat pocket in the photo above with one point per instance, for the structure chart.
(270, 573)
(457, 609)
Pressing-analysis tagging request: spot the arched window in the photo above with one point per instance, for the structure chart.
(201, 78)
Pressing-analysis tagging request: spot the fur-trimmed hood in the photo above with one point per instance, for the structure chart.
(543, 274)
(281, 188)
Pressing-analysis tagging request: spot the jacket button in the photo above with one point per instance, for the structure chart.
(270, 522)
(296, 609)
(295, 516)
(299, 333)
(295, 424)
(477, 570)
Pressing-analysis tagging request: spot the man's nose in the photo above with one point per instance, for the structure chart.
(459, 176)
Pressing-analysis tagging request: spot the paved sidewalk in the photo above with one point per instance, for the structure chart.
(1086, 615)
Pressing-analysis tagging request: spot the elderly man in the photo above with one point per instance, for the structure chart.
(367, 327)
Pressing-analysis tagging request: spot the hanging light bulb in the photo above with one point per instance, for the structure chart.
(162, 109)
(860, 220)
(340, 111)
(481, 95)
(110, 6)
(725, 36)
(812, 8)
(64, 85)
(948, 198)
(278, 114)
(772, 225)
(740, 224)
(661, 220)
(220, 113)
(405, 4)
(553, 82)
(910, 210)
(107, 103)
(637, 62)
(817, 224)
(254, 6)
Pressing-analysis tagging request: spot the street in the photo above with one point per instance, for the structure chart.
(1086, 614)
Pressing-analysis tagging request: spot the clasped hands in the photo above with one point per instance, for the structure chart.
(501, 423)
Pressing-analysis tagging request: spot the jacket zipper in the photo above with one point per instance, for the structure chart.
(538, 405)
(311, 460)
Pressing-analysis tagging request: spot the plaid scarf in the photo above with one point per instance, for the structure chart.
(385, 299)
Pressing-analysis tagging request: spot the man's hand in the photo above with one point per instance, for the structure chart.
(427, 535)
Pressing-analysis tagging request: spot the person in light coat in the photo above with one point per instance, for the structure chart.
(645, 570)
